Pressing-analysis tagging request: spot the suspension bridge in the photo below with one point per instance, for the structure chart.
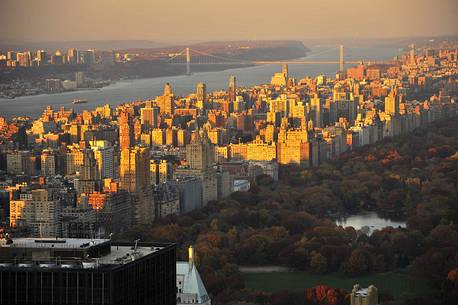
(190, 57)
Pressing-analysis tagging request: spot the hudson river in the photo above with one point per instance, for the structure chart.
(141, 89)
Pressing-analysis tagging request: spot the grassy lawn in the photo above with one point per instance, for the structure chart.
(396, 284)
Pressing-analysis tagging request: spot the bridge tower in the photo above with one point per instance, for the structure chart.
(341, 60)
(188, 62)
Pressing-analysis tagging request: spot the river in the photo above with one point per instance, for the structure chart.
(141, 89)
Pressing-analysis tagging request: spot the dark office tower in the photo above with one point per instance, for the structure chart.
(284, 70)
(21, 137)
(86, 271)
(72, 56)
(126, 131)
(232, 90)
(201, 92)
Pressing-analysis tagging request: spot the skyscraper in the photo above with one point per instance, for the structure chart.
(232, 90)
(134, 174)
(317, 105)
(200, 153)
(87, 271)
(341, 59)
(41, 57)
(201, 92)
(284, 70)
(149, 117)
(166, 102)
(412, 55)
(126, 131)
(72, 56)
(168, 89)
(392, 103)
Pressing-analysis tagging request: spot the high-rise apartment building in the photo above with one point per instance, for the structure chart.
(72, 56)
(392, 103)
(200, 154)
(37, 212)
(126, 131)
(232, 89)
(166, 102)
(201, 92)
(134, 174)
(149, 117)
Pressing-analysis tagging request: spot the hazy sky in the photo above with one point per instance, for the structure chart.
(180, 20)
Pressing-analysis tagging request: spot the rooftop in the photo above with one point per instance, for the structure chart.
(192, 283)
(95, 253)
(57, 243)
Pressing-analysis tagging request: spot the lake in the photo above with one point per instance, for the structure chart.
(371, 220)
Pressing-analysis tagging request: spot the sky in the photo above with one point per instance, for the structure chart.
(205, 20)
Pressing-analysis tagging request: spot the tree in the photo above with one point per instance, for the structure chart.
(359, 263)
(323, 294)
(318, 262)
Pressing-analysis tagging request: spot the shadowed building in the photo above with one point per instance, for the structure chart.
(86, 271)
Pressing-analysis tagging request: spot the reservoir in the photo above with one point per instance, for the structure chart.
(371, 220)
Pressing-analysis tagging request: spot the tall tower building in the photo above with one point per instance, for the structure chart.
(41, 57)
(168, 89)
(284, 70)
(200, 154)
(412, 55)
(201, 92)
(392, 103)
(134, 174)
(232, 90)
(149, 117)
(134, 169)
(166, 102)
(126, 131)
(341, 59)
(317, 105)
(89, 170)
(72, 56)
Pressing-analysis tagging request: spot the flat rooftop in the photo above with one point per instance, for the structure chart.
(115, 254)
(56, 243)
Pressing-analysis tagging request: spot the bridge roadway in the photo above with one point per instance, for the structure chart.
(277, 62)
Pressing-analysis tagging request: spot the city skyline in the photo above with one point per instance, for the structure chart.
(229, 152)
(175, 21)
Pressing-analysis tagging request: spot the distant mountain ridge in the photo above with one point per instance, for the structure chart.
(240, 49)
